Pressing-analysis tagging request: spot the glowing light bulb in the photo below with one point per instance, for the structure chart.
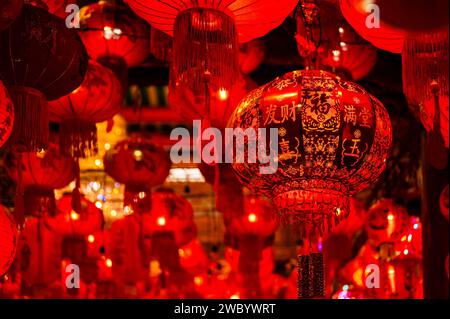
(41, 153)
(252, 218)
(390, 217)
(98, 162)
(223, 94)
(181, 252)
(341, 30)
(74, 215)
(138, 155)
(108, 263)
(91, 238)
(113, 213)
(141, 195)
(338, 211)
(235, 296)
(198, 280)
(98, 204)
(107, 146)
(161, 221)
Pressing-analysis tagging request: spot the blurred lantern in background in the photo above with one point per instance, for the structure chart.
(37, 175)
(9, 11)
(6, 115)
(205, 39)
(161, 45)
(8, 240)
(327, 41)
(96, 100)
(52, 64)
(140, 165)
(251, 55)
(251, 231)
(425, 80)
(115, 37)
(193, 257)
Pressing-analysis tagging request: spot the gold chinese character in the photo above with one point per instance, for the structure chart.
(288, 111)
(271, 115)
(286, 152)
(365, 117)
(350, 114)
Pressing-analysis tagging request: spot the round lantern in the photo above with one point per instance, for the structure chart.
(206, 36)
(333, 141)
(67, 222)
(114, 36)
(370, 25)
(425, 59)
(9, 11)
(170, 213)
(140, 165)
(37, 175)
(52, 64)
(6, 115)
(8, 240)
(386, 222)
(96, 100)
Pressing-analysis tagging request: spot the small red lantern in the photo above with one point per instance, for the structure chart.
(96, 100)
(37, 175)
(9, 11)
(67, 222)
(6, 115)
(140, 165)
(8, 240)
(52, 64)
(114, 36)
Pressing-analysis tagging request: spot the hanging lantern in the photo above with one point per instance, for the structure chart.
(96, 100)
(425, 79)
(114, 36)
(41, 173)
(371, 26)
(140, 165)
(251, 230)
(324, 37)
(386, 222)
(8, 240)
(333, 141)
(40, 253)
(67, 222)
(170, 213)
(6, 115)
(9, 11)
(251, 55)
(206, 36)
(52, 64)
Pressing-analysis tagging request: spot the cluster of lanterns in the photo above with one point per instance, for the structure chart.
(334, 138)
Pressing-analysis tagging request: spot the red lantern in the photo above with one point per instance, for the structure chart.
(40, 174)
(333, 141)
(52, 64)
(67, 222)
(364, 20)
(140, 165)
(96, 100)
(114, 36)
(6, 115)
(170, 213)
(425, 79)
(193, 257)
(386, 222)
(9, 11)
(8, 240)
(206, 35)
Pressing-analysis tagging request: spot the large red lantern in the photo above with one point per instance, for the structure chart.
(8, 240)
(114, 36)
(96, 100)
(6, 115)
(52, 64)
(37, 175)
(206, 35)
(9, 11)
(140, 165)
(333, 141)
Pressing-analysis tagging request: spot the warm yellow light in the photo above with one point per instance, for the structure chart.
(141, 195)
(235, 296)
(107, 146)
(198, 280)
(91, 238)
(108, 263)
(40, 153)
(113, 213)
(161, 221)
(98, 162)
(98, 204)
(137, 155)
(74, 215)
(390, 217)
(252, 218)
(223, 94)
